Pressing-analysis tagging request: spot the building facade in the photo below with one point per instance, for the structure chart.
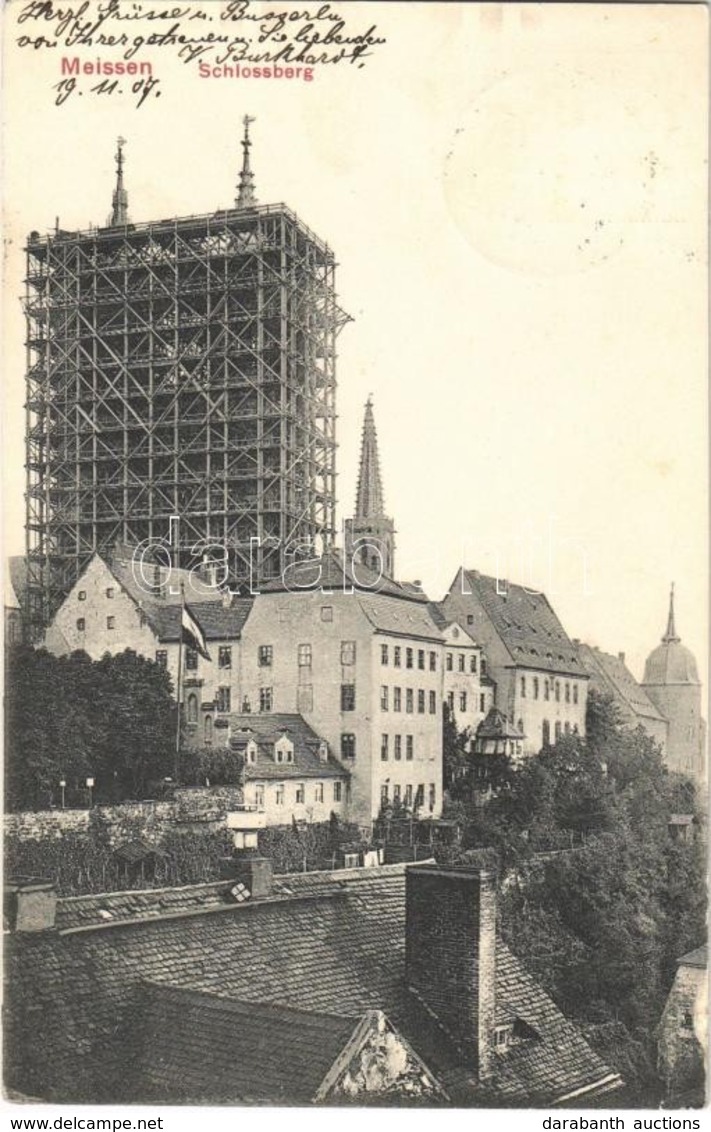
(183, 367)
(682, 1035)
(541, 685)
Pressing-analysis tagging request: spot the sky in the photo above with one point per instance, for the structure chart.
(517, 199)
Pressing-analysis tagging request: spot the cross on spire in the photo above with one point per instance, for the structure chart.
(671, 634)
(119, 201)
(245, 188)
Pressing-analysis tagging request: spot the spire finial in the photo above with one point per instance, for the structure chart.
(119, 201)
(671, 634)
(369, 498)
(245, 189)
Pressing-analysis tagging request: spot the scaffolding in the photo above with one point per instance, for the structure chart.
(179, 368)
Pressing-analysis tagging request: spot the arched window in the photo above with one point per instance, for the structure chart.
(208, 729)
(192, 708)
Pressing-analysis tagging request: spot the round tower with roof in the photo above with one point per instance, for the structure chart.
(671, 681)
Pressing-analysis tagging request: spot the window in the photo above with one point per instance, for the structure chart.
(461, 661)
(279, 794)
(462, 701)
(687, 1021)
(300, 794)
(81, 596)
(470, 618)
(450, 700)
(110, 622)
(472, 663)
(348, 652)
(482, 702)
(433, 796)
(266, 655)
(433, 703)
(208, 730)
(502, 1035)
(224, 656)
(327, 613)
(398, 748)
(546, 734)
(557, 731)
(409, 700)
(408, 795)
(409, 657)
(223, 700)
(384, 794)
(523, 686)
(162, 658)
(546, 689)
(575, 693)
(397, 793)
(81, 624)
(557, 690)
(421, 659)
(397, 699)
(384, 698)
(384, 747)
(259, 795)
(449, 662)
(384, 654)
(191, 659)
(535, 687)
(567, 693)
(421, 701)
(347, 697)
(266, 699)
(520, 726)
(338, 791)
(348, 745)
(397, 651)
(409, 747)
(303, 656)
(192, 708)
(483, 666)
(419, 796)
(566, 727)
(433, 662)
(109, 591)
(250, 752)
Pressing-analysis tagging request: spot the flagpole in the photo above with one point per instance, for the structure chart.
(176, 769)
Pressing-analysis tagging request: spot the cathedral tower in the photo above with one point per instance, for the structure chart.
(672, 683)
(370, 534)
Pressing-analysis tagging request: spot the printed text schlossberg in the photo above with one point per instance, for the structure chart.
(271, 72)
(77, 66)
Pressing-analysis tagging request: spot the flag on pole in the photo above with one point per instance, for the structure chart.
(191, 633)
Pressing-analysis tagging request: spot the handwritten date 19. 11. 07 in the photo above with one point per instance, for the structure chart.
(141, 88)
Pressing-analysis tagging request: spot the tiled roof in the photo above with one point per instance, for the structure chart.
(335, 946)
(331, 572)
(401, 618)
(497, 726)
(218, 623)
(442, 621)
(172, 581)
(609, 674)
(266, 729)
(527, 625)
(695, 958)
(197, 1046)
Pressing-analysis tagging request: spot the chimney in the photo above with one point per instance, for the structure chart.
(451, 954)
(621, 656)
(255, 873)
(30, 904)
(227, 598)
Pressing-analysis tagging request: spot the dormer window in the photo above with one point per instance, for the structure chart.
(250, 752)
(502, 1037)
(284, 750)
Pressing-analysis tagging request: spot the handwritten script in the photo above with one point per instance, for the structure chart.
(113, 34)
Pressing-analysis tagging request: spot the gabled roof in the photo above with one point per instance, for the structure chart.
(497, 726)
(200, 1046)
(695, 958)
(333, 943)
(217, 621)
(333, 572)
(525, 623)
(610, 675)
(400, 618)
(267, 729)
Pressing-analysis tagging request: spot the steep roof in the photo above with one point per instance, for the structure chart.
(369, 496)
(399, 618)
(266, 729)
(609, 674)
(526, 624)
(695, 958)
(497, 726)
(332, 943)
(200, 1046)
(217, 621)
(333, 572)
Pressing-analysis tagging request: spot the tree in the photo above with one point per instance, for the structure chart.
(454, 749)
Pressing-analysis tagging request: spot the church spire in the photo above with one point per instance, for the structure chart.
(245, 189)
(670, 634)
(370, 534)
(369, 497)
(119, 201)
